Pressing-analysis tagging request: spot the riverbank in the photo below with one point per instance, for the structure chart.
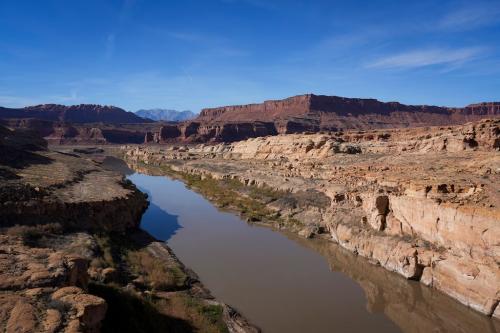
(73, 259)
(254, 266)
(411, 201)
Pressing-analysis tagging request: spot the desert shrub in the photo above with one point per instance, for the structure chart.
(128, 312)
(156, 273)
(207, 317)
(32, 234)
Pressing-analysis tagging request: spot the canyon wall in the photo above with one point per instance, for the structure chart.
(313, 113)
(330, 108)
(56, 132)
(96, 124)
(420, 202)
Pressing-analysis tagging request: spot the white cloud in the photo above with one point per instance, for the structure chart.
(428, 57)
(110, 45)
(470, 17)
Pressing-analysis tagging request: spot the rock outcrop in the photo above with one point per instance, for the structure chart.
(61, 133)
(96, 124)
(80, 124)
(72, 258)
(311, 114)
(44, 290)
(77, 114)
(206, 132)
(420, 202)
(341, 113)
(43, 186)
(48, 202)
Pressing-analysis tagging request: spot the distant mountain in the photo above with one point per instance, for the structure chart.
(165, 114)
(78, 114)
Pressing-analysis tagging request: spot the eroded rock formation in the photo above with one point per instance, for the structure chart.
(72, 258)
(333, 113)
(44, 290)
(421, 202)
(313, 113)
(48, 202)
(96, 124)
(61, 133)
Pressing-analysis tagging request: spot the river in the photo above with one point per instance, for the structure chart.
(284, 283)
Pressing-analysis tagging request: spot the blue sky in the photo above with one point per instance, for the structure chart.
(193, 54)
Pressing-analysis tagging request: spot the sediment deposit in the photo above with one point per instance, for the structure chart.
(420, 202)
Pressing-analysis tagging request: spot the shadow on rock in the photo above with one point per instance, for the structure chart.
(18, 148)
(127, 313)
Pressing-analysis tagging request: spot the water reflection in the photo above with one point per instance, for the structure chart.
(409, 304)
(284, 283)
(160, 223)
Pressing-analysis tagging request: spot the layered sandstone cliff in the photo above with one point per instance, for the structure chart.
(332, 111)
(96, 124)
(62, 133)
(79, 124)
(313, 113)
(422, 202)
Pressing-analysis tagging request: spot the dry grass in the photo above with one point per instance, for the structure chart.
(105, 258)
(129, 312)
(32, 234)
(205, 317)
(156, 273)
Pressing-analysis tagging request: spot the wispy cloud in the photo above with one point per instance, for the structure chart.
(17, 101)
(201, 39)
(255, 3)
(471, 16)
(210, 46)
(339, 46)
(428, 57)
(72, 97)
(110, 46)
(126, 9)
(9, 99)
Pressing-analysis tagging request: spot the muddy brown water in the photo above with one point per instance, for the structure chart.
(283, 283)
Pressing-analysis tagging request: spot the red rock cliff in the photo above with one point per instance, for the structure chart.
(332, 112)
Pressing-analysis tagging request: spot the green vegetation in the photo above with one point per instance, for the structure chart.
(155, 272)
(119, 251)
(250, 201)
(128, 312)
(227, 194)
(209, 317)
(150, 311)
